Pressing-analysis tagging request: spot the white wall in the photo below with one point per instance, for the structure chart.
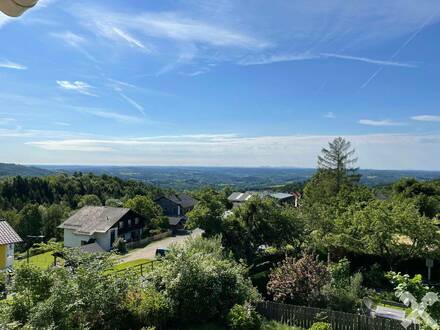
(103, 239)
(9, 255)
(73, 240)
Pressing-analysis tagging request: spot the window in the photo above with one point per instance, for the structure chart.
(136, 221)
(121, 224)
(129, 222)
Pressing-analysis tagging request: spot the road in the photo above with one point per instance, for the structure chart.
(149, 252)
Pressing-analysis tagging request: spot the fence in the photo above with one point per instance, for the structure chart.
(304, 317)
(140, 269)
(143, 242)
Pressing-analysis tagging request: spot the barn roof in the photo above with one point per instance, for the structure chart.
(7, 234)
(92, 219)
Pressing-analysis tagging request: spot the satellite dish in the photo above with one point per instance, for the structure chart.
(15, 8)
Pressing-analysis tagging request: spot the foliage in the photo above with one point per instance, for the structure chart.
(298, 281)
(321, 326)
(261, 222)
(201, 283)
(208, 213)
(120, 246)
(79, 296)
(273, 325)
(243, 317)
(336, 161)
(345, 298)
(114, 202)
(89, 200)
(146, 307)
(144, 206)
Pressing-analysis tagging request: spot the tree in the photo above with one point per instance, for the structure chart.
(89, 200)
(31, 221)
(144, 206)
(391, 229)
(208, 213)
(52, 216)
(337, 160)
(201, 282)
(298, 281)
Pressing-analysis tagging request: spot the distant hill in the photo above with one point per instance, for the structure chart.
(191, 177)
(15, 169)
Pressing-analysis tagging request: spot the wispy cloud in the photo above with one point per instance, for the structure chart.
(101, 113)
(133, 103)
(78, 86)
(7, 121)
(384, 122)
(268, 59)
(369, 60)
(236, 150)
(330, 115)
(70, 38)
(130, 39)
(12, 65)
(427, 118)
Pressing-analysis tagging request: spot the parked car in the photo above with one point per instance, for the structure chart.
(161, 252)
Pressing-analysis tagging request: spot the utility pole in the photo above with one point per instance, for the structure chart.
(15, 8)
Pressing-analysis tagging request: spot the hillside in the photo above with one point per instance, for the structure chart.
(15, 169)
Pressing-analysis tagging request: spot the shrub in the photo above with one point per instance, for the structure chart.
(147, 307)
(298, 281)
(200, 282)
(321, 326)
(243, 317)
(120, 246)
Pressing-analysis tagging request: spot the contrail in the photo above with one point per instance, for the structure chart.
(397, 52)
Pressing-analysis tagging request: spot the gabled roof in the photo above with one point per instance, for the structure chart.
(92, 248)
(7, 234)
(174, 221)
(181, 199)
(242, 197)
(94, 219)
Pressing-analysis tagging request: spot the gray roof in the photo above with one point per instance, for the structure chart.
(174, 221)
(182, 199)
(94, 219)
(7, 234)
(92, 248)
(242, 197)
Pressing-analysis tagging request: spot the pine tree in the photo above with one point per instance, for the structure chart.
(338, 160)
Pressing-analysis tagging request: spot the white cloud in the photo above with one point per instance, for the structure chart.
(101, 113)
(78, 86)
(133, 103)
(12, 65)
(7, 121)
(269, 59)
(384, 122)
(330, 115)
(369, 60)
(410, 151)
(427, 118)
(70, 38)
(130, 39)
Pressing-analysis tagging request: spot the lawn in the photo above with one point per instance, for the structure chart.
(44, 260)
(131, 264)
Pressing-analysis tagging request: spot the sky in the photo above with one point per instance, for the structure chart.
(221, 83)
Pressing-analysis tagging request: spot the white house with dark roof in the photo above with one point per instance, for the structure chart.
(8, 237)
(102, 225)
(175, 207)
(238, 198)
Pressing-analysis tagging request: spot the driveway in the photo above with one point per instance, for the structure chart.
(149, 252)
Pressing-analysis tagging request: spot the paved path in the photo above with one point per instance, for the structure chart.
(149, 252)
(390, 312)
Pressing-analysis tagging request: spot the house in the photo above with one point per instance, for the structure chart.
(175, 207)
(102, 225)
(238, 198)
(8, 237)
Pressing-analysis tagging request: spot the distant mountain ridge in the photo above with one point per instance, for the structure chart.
(7, 169)
(191, 177)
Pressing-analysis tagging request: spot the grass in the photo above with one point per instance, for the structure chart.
(129, 264)
(43, 261)
(272, 325)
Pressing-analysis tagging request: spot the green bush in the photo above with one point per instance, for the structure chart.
(120, 246)
(321, 326)
(243, 317)
(147, 307)
(200, 282)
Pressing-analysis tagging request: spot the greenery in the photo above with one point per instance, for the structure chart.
(201, 282)
(243, 317)
(42, 261)
(321, 326)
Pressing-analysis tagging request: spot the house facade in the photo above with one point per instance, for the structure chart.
(102, 225)
(8, 237)
(175, 207)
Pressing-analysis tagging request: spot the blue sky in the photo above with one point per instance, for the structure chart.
(225, 82)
